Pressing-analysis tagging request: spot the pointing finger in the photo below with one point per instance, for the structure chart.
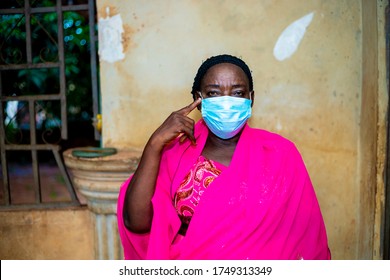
(188, 109)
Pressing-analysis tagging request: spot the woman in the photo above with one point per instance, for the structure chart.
(219, 189)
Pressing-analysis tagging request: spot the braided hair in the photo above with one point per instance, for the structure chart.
(214, 60)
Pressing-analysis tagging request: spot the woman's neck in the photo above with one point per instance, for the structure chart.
(220, 150)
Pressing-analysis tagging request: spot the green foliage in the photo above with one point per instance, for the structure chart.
(44, 42)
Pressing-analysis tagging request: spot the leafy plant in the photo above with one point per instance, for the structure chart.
(44, 45)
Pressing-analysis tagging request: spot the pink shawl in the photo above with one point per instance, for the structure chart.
(263, 206)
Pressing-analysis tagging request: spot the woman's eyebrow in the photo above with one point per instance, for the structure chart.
(239, 86)
(212, 86)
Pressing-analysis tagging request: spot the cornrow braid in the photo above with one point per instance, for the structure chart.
(214, 60)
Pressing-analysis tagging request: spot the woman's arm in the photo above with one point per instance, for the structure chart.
(137, 210)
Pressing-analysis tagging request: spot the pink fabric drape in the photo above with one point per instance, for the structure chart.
(263, 206)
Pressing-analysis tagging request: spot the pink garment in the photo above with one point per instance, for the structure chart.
(268, 210)
(196, 182)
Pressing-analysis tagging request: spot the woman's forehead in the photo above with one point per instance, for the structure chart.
(225, 71)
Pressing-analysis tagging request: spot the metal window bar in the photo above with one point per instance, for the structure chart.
(31, 100)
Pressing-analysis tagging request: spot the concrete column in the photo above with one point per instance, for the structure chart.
(99, 179)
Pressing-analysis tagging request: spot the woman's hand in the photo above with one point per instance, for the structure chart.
(178, 124)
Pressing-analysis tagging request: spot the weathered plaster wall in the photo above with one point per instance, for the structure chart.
(66, 234)
(314, 97)
(382, 123)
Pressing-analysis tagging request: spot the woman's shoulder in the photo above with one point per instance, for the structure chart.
(268, 135)
(270, 140)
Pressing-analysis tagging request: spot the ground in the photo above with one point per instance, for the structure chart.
(53, 188)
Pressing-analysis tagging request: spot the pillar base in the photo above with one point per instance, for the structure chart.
(99, 179)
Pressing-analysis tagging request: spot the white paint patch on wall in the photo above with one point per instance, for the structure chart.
(291, 37)
(110, 38)
(279, 125)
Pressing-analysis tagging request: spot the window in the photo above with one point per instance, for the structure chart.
(48, 97)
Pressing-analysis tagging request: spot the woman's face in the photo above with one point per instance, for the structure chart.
(225, 79)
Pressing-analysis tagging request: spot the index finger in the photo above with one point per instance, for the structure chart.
(188, 109)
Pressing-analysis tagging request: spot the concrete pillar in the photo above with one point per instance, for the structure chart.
(98, 179)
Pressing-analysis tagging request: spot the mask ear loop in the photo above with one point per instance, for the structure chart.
(250, 97)
(201, 97)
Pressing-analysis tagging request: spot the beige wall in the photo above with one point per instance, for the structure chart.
(327, 96)
(66, 234)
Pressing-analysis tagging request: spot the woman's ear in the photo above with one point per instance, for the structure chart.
(252, 96)
(198, 95)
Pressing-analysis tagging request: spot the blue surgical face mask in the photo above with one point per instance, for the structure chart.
(225, 116)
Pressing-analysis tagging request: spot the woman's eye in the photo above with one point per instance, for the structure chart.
(212, 93)
(238, 93)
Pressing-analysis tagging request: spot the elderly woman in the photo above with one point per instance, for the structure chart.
(219, 189)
